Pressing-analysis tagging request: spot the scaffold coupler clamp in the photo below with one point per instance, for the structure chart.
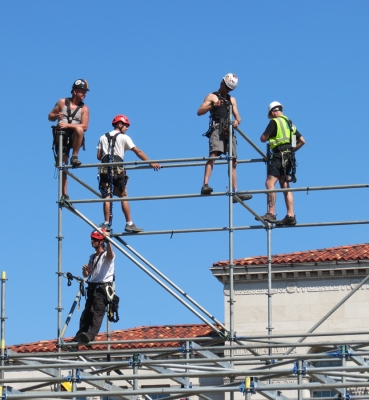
(77, 378)
(135, 360)
(345, 397)
(297, 371)
(248, 386)
(185, 349)
(5, 356)
(342, 352)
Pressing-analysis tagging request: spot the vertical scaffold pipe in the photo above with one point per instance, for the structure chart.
(3, 280)
(270, 294)
(60, 238)
(230, 203)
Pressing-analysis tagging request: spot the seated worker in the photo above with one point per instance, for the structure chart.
(284, 141)
(73, 117)
(114, 144)
(101, 270)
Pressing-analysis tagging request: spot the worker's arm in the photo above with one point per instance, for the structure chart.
(300, 142)
(56, 111)
(209, 102)
(269, 132)
(99, 154)
(109, 251)
(235, 113)
(140, 154)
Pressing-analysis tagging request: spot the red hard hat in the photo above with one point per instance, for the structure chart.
(121, 118)
(97, 235)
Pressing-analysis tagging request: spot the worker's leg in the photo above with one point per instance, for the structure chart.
(288, 197)
(209, 168)
(270, 184)
(77, 139)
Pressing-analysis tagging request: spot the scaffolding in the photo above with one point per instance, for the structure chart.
(200, 357)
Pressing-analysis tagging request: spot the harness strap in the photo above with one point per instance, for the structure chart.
(71, 115)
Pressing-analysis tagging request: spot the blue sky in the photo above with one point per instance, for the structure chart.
(155, 62)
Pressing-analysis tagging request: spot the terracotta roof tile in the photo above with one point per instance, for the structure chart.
(139, 333)
(342, 253)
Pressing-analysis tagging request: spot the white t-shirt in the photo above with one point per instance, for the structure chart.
(102, 269)
(123, 143)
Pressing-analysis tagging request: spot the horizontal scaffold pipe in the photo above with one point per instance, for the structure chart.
(198, 164)
(221, 159)
(215, 194)
(185, 391)
(239, 228)
(202, 361)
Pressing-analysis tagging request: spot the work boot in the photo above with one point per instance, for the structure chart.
(242, 197)
(268, 217)
(105, 226)
(287, 220)
(74, 161)
(206, 189)
(83, 337)
(133, 228)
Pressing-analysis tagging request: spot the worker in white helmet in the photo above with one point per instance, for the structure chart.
(284, 141)
(218, 133)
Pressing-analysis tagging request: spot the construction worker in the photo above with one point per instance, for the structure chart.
(73, 117)
(217, 103)
(100, 268)
(112, 146)
(284, 141)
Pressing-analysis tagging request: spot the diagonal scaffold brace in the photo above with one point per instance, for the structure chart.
(224, 333)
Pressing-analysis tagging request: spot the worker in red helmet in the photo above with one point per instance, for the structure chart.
(73, 117)
(112, 146)
(100, 268)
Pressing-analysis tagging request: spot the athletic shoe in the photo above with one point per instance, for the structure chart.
(242, 197)
(74, 161)
(287, 220)
(206, 189)
(268, 217)
(105, 226)
(133, 228)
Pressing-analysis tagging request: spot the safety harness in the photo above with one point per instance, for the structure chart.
(287, 154)
(67, 133)
(218, 121)
(107, 174)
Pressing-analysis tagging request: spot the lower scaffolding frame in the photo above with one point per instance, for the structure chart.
(203, 360)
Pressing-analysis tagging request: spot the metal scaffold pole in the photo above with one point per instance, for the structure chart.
(61, 177)
(3, 282)
(231, 189)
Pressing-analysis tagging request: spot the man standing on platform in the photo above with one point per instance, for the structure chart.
(218, 133)
(284, 141)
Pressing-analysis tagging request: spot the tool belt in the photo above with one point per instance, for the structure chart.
(282, 147)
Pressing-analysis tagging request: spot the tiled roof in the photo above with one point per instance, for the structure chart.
(353, 252)
(144, 332)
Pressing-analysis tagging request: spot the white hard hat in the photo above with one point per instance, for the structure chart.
(274, 104)
(231, 80)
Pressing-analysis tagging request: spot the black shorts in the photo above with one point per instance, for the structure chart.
(67, 140)
(119, 184)
(275, 165)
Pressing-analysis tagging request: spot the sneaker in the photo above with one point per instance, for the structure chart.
(74, 161)
(105, 226)
(206, 189)
(287, 220)
(133, 228)
(242, 197)
(268, 217)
